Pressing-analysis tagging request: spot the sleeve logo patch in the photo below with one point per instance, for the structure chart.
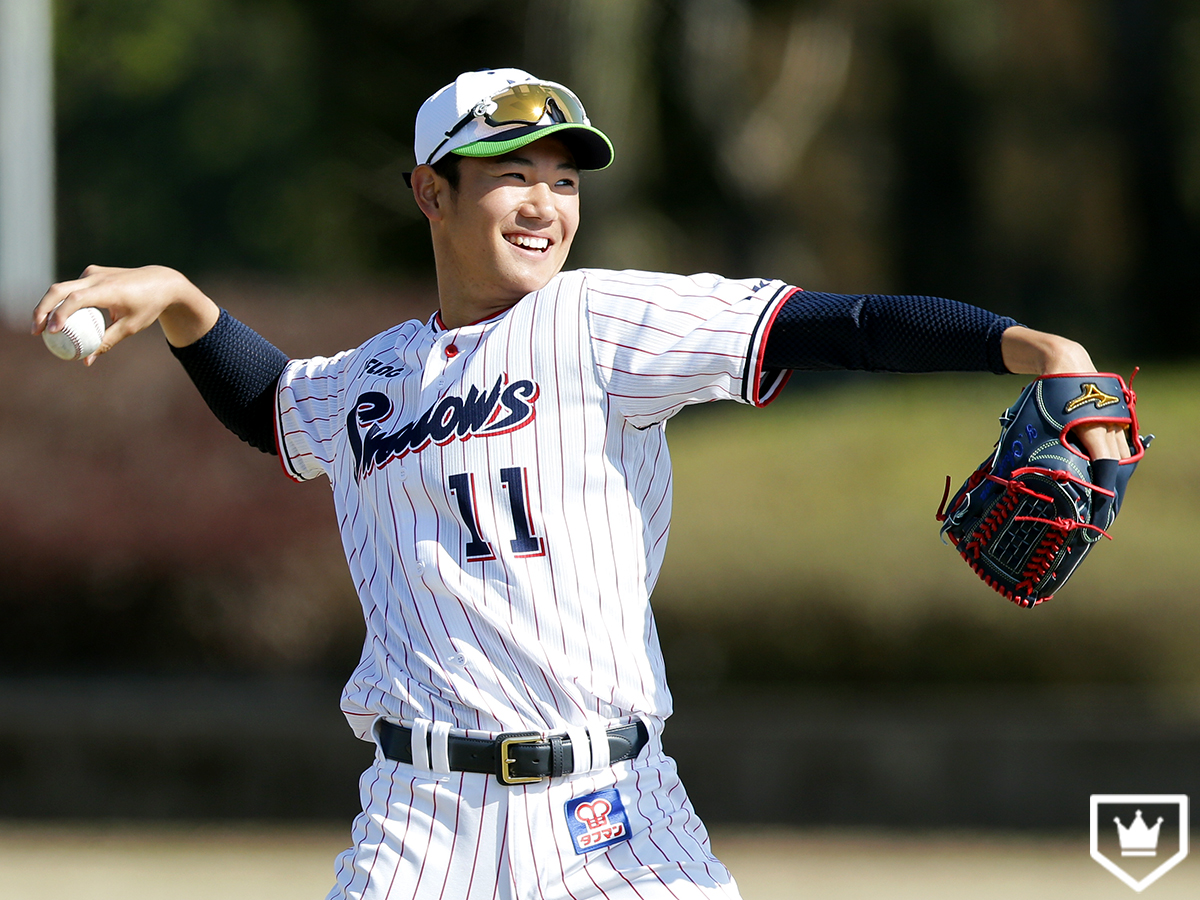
(1091, 394)
(597, 820)
(380, 370)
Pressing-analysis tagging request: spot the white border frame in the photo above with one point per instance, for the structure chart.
(1181, 800)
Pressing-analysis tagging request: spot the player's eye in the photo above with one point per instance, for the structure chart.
(517, 175)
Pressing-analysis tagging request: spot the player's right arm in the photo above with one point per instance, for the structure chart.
(235, 369)
(134, 299)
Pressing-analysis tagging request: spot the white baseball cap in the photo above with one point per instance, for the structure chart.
(495, 111)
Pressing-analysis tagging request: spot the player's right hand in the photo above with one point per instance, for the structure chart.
(134, 300)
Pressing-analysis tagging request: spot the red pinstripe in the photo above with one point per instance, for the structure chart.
(587, 523)
(500, 855)
(649, 301)
(478, 835)
(633, 529)
(573, 570)
(532, 845)
(640, 326)
(633, 853)
(383, 833)
(296, 401)
(727, 373)
(669, 350)
(558, 851)
(428, 844)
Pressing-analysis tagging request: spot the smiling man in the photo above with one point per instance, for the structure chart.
(501, 227)
(502, 486)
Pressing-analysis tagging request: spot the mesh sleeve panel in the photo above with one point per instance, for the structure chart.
(880, 333)
(236, 370)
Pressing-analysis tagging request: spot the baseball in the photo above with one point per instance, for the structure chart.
(80, 336)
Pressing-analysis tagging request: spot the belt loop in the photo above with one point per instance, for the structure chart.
(581, 749)
(653, 731)
(440, 734)
(601, 752)
(420, 744)
(377, 726)
(556, 756)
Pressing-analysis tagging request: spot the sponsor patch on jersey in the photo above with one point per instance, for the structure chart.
(500, 409)
(597, 820)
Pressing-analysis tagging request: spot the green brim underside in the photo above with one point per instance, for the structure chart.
(597, 145)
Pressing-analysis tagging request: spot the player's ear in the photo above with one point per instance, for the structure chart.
(430, 191)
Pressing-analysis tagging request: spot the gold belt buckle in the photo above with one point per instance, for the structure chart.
(503, 772)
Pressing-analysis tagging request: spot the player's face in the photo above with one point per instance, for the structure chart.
(513, 219)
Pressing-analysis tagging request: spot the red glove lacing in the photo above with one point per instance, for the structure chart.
(1052, 542)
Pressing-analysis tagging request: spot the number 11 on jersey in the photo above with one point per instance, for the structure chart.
(513, 481)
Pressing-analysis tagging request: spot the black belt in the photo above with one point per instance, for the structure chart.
(514, 757)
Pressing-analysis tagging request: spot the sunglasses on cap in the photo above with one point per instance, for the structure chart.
(521, 104)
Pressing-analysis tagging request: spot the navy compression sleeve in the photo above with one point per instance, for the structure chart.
(236, 370)
(881, 333)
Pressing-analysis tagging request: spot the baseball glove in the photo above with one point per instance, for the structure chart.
(1030, 513)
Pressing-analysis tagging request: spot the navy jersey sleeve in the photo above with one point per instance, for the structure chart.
(881, 333)
(236, 371)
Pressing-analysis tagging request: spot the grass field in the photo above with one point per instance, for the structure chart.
(829, 497)
(239, 863)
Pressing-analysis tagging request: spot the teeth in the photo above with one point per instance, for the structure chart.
(532, 243)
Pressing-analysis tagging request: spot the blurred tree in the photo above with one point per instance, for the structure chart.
(264, 135)
(1156, 88)
(185, 129)
(1034, 156)
(934, 126)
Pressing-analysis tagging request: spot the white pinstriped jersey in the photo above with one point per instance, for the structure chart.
(504, 490)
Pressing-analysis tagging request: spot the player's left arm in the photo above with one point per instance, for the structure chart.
(875, 332)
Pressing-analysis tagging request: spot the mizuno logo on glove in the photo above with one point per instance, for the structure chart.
(1091, 394)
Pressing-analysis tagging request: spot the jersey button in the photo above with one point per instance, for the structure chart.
(401, 474)
(451, 351)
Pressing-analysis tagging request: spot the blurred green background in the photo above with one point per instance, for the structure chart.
(1037, 157)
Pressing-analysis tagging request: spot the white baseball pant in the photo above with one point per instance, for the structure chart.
(465, 836)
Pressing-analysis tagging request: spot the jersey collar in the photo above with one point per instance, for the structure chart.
(438, 326)
(436, 323)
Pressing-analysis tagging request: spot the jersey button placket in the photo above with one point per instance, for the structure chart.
(435, 369)
(450, 352)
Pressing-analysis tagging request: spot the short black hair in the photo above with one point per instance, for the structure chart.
(448, 168)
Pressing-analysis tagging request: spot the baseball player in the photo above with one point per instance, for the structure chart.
(503, 489)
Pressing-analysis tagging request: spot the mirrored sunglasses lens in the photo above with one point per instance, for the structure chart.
(526, 104)
(570, 108)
